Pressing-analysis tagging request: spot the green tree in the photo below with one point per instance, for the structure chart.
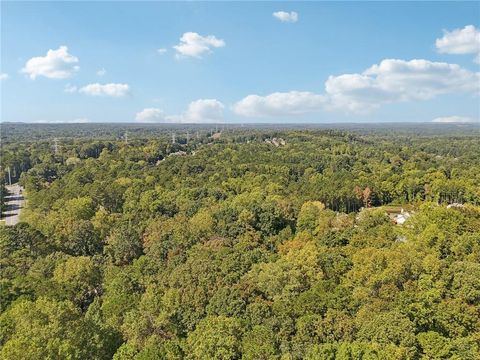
(123, 245)
(215, 338)
(46, 329)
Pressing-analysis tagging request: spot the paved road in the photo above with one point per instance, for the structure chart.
(15, 202)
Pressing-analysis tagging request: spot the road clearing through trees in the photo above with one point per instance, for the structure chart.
(15, 203)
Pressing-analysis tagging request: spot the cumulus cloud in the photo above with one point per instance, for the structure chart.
(150, 115)
(3, 76)
(397, 81)
(101, 72)
(57, 64)
(195, 45)
(284, 16)
(280, 104)
(390, 81)
(453, 119)
(198, 111)
(113, 90)
(460, 41)
(201, 111)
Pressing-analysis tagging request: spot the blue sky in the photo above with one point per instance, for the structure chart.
(338, 62)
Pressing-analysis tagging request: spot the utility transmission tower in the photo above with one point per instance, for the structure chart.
(173, 138)
(125, 137)
(9, 177)
(55, 146)
(188, 137)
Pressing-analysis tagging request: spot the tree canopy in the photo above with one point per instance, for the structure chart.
(231, 247)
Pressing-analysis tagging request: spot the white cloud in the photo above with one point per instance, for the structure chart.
(279, 104)
(3, 76)
(391, 81)
(460, 41)
(113, 90)
(72, 121)
(397, 81)
(284, 16)
(161, 51)
(194, 45)
(453, 119)
(201, 111)
(150, 115)
(101, 72)
(204, 110)
(79, 121)
(198, 111)
(57, 64)
(70, 88)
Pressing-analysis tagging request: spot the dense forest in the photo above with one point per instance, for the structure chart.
(241, 242)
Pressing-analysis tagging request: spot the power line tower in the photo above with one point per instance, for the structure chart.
(9, 176)
(188, 137)
(125, 137)
(173, 138)
(55, 146)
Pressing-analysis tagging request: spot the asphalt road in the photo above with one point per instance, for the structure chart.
(15, 202)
